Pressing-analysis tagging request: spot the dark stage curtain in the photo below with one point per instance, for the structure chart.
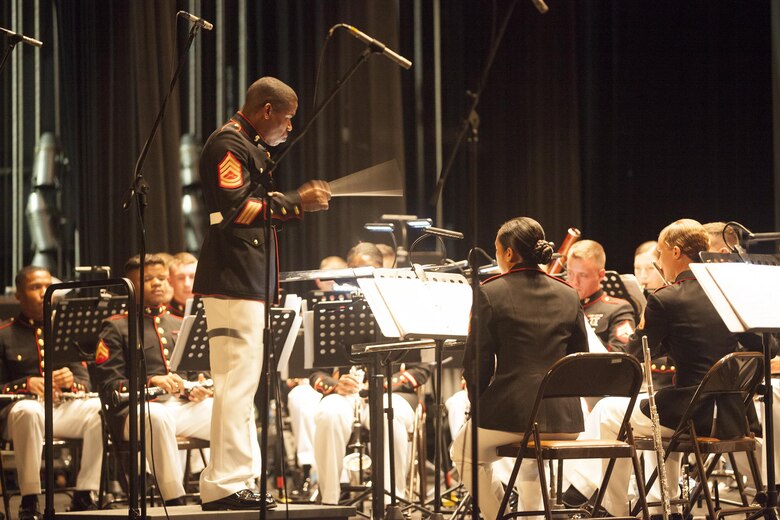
(616, 117)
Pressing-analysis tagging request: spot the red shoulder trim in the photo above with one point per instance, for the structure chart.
(675, 283)
(6, 325)
(527, 269)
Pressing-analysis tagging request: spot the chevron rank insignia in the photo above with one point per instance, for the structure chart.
(101, 355)
(230, 176)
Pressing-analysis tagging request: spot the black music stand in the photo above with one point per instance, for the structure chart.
(337, 326)
(136, 477)
(76, 325)
(614, 286)
(191, 352)
(737, 315)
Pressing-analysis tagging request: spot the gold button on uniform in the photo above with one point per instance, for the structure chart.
(164, 341)
(160, 330)
(40, 341)
(165, 351)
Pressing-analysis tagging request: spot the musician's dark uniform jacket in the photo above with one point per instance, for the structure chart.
(612, 319)
(681, 322)
(176, 309)
(160, 331)
(527, 320)
(232, 260)
(21, 357)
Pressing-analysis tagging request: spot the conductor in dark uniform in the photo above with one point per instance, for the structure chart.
(230, 276)
(527, 321)
(680, 322)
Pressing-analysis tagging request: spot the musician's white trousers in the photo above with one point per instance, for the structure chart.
(78, 419)
(458, 406)
(164, 422)
(236, 352)
(491, 487)
(302, 401)
(333, 425)
(604, 423)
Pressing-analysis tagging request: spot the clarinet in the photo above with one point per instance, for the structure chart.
(64, 396)
(657, 440)
(118, 398)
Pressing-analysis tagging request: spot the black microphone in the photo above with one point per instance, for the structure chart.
(194, 19)
(540, 6)
(376, 45)
(22, 38)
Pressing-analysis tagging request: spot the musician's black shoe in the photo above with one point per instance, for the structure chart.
(572, 498)
(175, 502)
(28, 510)
(673, 516)
(244, 499)
(83, 501)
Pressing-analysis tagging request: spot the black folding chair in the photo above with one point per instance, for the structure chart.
(611, 374)
(734, 378)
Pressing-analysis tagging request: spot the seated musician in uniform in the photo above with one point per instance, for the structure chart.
(183, 413)
(718, 244)
(646, 274)
(611, 318)
(680, 322)
(335, 412)
(515, 353)
(21, 372)
(182, 274)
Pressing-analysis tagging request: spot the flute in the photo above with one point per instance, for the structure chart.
(153, 392)
(658, 443)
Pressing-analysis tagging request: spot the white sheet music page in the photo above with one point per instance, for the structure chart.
(181, 341)
(381, 313)
(717, 298)
(438, 307)
(753, 292)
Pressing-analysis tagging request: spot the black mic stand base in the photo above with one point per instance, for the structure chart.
(393, 512)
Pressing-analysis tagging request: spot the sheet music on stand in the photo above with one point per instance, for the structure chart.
(407, 306)
(747, 296)
(76, 325)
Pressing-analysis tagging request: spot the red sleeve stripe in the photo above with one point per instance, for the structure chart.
(249, 213)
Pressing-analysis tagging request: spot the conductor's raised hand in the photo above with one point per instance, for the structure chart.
(314, 195)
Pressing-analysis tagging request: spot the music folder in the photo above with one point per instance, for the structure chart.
(405, 305)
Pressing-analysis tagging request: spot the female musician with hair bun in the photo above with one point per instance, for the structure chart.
(527, 321)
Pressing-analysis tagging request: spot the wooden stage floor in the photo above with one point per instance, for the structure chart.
(194, 512)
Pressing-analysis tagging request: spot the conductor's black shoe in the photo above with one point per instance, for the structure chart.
(244, 499)
(28, 510)
(573, 499)
(83, 501)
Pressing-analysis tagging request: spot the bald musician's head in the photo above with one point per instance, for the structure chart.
(270, 106)
(365, 254)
